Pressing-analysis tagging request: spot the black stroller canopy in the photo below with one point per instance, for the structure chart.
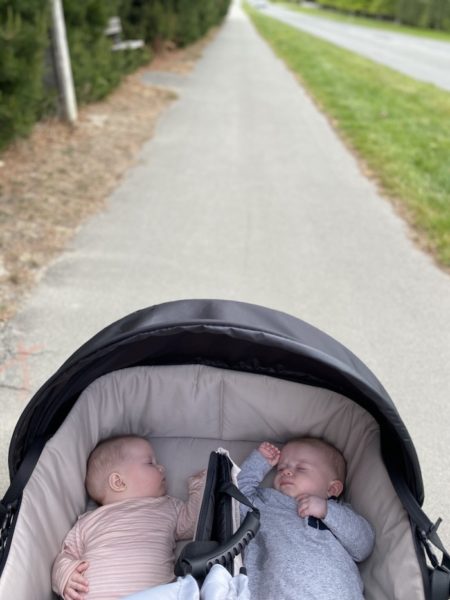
(225, 334)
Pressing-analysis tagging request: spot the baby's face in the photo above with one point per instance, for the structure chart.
(303, 469)
(143, 476)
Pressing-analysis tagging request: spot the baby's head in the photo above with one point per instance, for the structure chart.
(310, 466)
(124, 467)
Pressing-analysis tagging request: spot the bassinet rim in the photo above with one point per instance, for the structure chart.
(153, 322)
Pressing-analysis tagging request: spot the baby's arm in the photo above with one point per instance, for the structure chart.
(352, 530)
(253, 470)
(270, 452)
(188, 511)
(68, 573)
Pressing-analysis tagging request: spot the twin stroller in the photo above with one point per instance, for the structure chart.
(195, 375)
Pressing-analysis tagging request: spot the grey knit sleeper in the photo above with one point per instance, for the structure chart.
(291, 558)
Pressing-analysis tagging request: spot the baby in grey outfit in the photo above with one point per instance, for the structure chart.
(308, 542)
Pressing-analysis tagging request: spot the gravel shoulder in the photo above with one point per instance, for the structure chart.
(56, 178)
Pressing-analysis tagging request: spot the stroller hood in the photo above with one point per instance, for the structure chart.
(225, 334)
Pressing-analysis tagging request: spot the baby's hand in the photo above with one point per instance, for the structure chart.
(312, 506)
(199, 476)
(77, 585)
(270, 452)
(197, 481)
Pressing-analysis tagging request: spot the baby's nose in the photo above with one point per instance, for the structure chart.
(161, 468)
(287, 471)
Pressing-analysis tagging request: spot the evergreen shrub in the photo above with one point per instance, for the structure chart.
(181, 21)
(420, 13)
(152, 21)
(97, 70)
(413, 12)
(382, 8)
(25, 28)
(23, 41)
(379, 8)
(440, 14)
(424, 13)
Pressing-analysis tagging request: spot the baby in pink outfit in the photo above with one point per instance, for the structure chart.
(128, 543)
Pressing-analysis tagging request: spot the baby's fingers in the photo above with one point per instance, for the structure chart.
(301, 497)
(77, 587)
(303, 506)
(303, 511)
(270, 452)
(265, 447)
(73, 594)
(82, 567)
(79, 581)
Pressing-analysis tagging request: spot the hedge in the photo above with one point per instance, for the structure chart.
(96, 68)
(196, 17)
(151, 21)
(182, 21)
(25, 41)
(382, 8)
(421, 13)
(425, 13)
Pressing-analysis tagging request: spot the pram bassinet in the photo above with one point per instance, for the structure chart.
(196, 374)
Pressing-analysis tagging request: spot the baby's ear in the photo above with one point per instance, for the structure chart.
(335, 488)
(116, 483)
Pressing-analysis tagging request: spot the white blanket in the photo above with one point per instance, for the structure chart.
(218, 585)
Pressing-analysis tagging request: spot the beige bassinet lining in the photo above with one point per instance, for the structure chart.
(187, 412)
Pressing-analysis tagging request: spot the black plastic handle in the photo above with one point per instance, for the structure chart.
(196, 562)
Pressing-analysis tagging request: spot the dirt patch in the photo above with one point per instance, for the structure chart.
(53, 180)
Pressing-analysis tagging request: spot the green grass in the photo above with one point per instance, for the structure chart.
(375, 23)
(398, 126)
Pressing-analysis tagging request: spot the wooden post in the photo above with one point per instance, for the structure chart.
(62, 62)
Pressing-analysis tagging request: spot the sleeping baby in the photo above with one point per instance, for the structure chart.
(127, 544)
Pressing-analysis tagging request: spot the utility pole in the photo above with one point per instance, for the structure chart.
(62, 62)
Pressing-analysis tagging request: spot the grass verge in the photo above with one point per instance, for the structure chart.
(399, 127)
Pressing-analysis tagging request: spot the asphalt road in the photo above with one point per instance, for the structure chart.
(246, 192)
(418, 57)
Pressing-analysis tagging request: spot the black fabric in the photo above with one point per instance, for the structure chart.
(233, 491)
(427, 530)
(440, 584)
(10, 503)
(214, 522)
(215, 540)
(316, 523)
(214, 526)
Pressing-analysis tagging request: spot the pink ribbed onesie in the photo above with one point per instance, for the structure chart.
(129, 545)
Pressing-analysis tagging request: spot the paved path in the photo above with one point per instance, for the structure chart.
(247, 193)
(418, 57)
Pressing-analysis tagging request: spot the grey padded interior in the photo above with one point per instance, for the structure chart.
(188, 411)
